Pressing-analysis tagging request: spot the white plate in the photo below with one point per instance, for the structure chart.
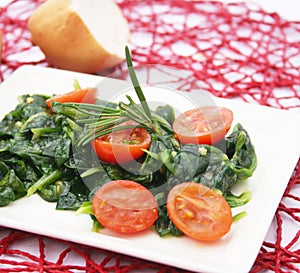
(275, 134)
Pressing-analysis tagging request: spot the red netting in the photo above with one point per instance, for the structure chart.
(232, 50)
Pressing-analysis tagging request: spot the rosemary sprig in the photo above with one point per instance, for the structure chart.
(136, 84)
(105, 117)
(101, 128)
(83, 110)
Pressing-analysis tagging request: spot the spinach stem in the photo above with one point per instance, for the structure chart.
(77, 85)
(46, 179)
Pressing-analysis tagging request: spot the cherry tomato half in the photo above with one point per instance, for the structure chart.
(122, 146)
(125, 206)
(205, 125)
(86, 95)
(198, 211)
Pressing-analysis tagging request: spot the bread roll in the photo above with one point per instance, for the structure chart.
(80, 35)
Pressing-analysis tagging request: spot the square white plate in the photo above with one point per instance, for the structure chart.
(275, 134)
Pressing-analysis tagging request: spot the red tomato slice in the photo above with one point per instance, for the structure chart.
(205, 125)
(87, 95)
(122, 146)
(198, 211)
(125, 206)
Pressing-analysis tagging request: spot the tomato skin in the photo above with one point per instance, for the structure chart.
(86, 95)
(199, 212)
(125, 206)
(205, 125)
(122, 146)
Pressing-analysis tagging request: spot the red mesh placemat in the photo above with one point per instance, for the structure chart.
(232, 50)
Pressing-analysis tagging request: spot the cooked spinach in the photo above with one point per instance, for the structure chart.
(36, 147)
(39, 153)
(207, 165)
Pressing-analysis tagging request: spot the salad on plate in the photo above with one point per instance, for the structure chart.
(129, 166)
